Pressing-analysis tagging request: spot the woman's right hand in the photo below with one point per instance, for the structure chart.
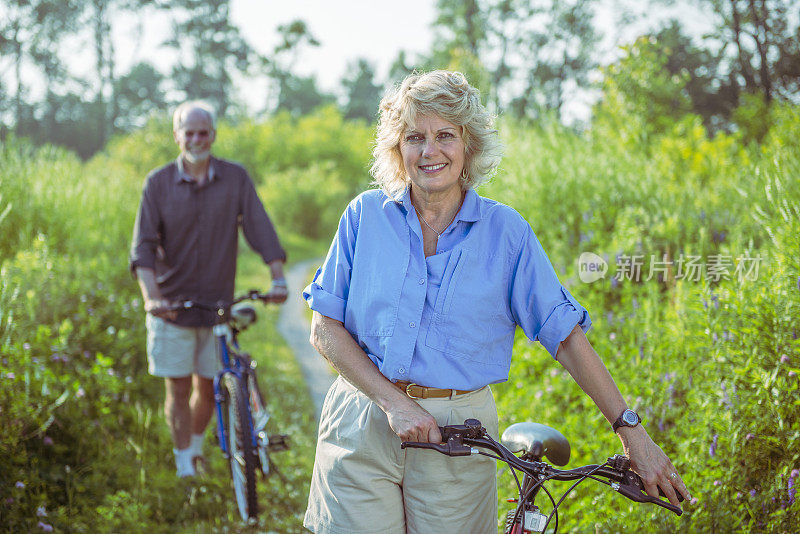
(411, 422)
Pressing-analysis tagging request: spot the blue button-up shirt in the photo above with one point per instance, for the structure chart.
(448, 320)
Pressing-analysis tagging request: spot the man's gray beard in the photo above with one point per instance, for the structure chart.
(194, 158)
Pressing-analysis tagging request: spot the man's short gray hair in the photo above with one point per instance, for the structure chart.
(182, 110)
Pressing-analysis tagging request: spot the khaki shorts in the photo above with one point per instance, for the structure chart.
(363, 482)
(175, 351)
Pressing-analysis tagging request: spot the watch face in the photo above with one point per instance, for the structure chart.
(630, 417)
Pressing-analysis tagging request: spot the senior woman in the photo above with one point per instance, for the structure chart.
(416, 306)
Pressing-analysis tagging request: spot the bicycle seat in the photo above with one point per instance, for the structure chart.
(523, 437)
(242, 317)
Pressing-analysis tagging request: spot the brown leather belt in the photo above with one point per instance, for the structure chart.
(415, 391)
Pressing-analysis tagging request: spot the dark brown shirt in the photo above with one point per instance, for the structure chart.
(188, 233)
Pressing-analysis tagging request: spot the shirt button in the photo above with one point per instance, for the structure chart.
(421, 281)
(402, 371)
(412, 324)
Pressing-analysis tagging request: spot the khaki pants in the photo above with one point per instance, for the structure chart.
(363, 482)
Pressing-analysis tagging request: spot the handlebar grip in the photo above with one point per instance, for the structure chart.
(635, 494)
(449, 448)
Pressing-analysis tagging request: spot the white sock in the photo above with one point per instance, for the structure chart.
(196, 444)
(183, 461)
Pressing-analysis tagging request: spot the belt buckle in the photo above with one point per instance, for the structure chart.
(421, 390)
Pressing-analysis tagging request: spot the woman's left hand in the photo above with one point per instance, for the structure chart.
(650, 463)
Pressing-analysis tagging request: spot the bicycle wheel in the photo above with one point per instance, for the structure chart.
(260, 418)
(240, 447)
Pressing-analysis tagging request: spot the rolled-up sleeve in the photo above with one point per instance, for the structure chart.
(540, 305)
(145, 230)
(327, 293)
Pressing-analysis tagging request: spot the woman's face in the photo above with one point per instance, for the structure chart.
(433, 154)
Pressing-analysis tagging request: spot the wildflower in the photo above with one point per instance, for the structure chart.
(694, 500)
(129, 379)
(80, 393)
(792, 491)
(612, 336)
(610, 317)
(87, 354)
(111, 372)
(11, 376)
(45, 527)
(714, 337)
(792, 374)
(84, 298)
(111, 330)
(717, 482)
(794, 473)
(635, 304)
(784, 358)
(738, 494)
(660, 425)
(614, 282)
(712, 450)
(753, 492)
(41, 512)
(26, 346)
(750, 436)
(47, 441)
(19, 485)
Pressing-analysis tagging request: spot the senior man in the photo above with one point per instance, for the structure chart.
(184, 247)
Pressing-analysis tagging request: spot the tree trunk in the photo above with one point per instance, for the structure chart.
(744, 64)
(761, 36)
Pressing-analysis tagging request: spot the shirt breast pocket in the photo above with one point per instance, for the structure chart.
(471, 318)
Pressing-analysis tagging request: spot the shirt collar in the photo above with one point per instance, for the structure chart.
(182, 175)
(470, 209)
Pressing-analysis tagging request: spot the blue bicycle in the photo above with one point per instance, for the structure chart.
(242, 414)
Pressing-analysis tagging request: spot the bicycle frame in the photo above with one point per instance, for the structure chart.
(223, 332)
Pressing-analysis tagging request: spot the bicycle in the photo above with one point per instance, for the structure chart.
(535, 441)
(242, 414)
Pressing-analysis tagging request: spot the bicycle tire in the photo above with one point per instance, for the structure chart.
(242, 458)
(258, 409)
(511, 515)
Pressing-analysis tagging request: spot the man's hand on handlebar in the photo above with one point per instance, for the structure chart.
(161, 308)
(278, 292)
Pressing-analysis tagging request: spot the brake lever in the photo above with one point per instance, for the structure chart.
(634, 493)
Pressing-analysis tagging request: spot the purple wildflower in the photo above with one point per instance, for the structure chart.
(11, 376)
(792, 491)
(714, 337)
(614, 282)
(738, 494)
(47, 441)
(753, 492)
(41, 512)
(712, 450)
(612, 336)
(610, 317)
(794, 473)
(792, 374)
(45, 527)
(660, 425)
(784, 358)
(80, 393)
(26, 346)
(694, 500)
(19, 485)
(717, 482)
(750, 436)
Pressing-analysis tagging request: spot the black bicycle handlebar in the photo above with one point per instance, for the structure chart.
(464, 440)
(221, 306)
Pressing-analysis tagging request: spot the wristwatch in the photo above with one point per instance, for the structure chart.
(627, 418)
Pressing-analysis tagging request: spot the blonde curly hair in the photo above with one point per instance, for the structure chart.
(448, 95)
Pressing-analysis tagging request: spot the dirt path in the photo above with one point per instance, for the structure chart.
(294, 327)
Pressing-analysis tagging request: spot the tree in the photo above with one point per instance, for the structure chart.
(363, 95)
(296, 94)
(138, 94)
(761, 41)
(211, 49)
(559, 55)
